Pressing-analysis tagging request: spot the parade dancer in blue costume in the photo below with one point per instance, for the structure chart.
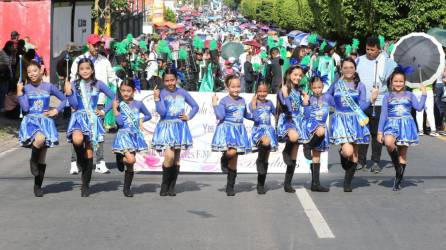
(289, 122)
(230, 136)
(85, 129)
(263, 136)
(37, 130)
(172, 133)
(314, 130)
(349, 123)
(397, 129)
(129, 138)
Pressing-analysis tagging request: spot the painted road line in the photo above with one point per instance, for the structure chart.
(317, 220)
(7, 152)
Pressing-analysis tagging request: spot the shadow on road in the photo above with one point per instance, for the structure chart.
(59, 187)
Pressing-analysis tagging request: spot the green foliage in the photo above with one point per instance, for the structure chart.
(233, 4)
(169, 15)
(346, 19)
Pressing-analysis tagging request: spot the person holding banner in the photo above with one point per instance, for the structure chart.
(172, 133)
(290, 118)
(315, 134)
(85, 129)
(263, 135)
(37, 130)
(397, 128)
(129, 138)
(230, 136)
(349, 122)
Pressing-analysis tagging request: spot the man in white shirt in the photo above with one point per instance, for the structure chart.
(374, 65)
(103, 72)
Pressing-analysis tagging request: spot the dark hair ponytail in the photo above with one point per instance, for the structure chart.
(356, 80)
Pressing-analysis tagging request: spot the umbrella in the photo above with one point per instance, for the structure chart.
(294, 33)
(439, 34)
(253, 43)
(301, 38)
(232, 49)
(423, 53)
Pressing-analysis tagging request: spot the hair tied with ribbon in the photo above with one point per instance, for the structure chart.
(324, 78)
(137, 83)
(406, 70)
(293, 61)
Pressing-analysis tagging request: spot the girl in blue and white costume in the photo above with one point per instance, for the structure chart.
(314, 131)
(85, 129)
(397, 128)
(349, 123)
(129, 138)
(289, 124)
(172, 133)
(263, 135)
(37, 130)
(230, 136)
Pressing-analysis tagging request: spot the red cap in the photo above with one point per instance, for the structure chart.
(93, 39)
(227, 62)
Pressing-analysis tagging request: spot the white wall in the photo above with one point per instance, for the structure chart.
(62, 25)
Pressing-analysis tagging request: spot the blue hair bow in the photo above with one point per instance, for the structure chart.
(137, 83)
(293, 61)
(406, 70)
(324, 78)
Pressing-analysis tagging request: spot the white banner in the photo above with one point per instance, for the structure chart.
(201, 158)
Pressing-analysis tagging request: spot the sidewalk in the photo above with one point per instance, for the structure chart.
(8, 133)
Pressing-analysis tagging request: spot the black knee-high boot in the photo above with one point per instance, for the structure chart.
(128, 178)
(313, 143)
(232, 174)
(34, 161)
(286, 154)
(343, 160)
(86, 177)
(396, 164)
(399, 178)
(349, 173)
(315, 184)
(81, 160)
(262, 168)
(289, 177)
(261, 181)
(224, 163)
(120, 162)
(165, 182)
(38, 180)
(173, 181)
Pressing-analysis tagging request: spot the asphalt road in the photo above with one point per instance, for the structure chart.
(201, 216)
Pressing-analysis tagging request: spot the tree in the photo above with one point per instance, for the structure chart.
(392, 18)
(232, 4)
(169, 15)
(347, 19)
